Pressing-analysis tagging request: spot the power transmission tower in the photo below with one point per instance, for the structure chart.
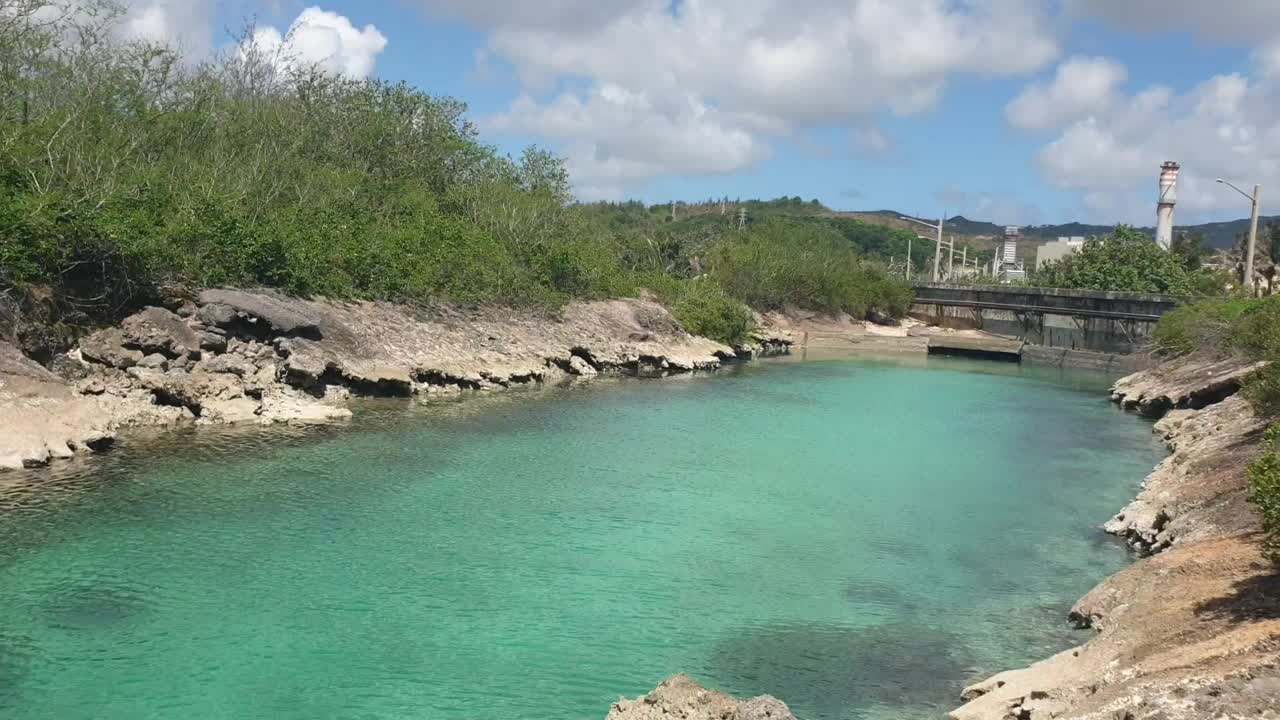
(742, 218)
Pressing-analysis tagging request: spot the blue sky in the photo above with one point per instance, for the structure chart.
(1014, 111)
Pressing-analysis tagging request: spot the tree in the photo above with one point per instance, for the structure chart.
(1126, 260)
(1190, 249)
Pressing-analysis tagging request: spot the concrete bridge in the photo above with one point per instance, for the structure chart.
(1065, 327)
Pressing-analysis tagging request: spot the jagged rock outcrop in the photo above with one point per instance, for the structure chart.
(260, 356)
(681, 697)
(40, 417)
(156, 330)
(1193, 630)
(1199, 492)
(1190, 383)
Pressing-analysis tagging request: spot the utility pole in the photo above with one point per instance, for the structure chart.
(937, 248)
(673, 211)
(951, 258)
(909, 259)
(1254, 200)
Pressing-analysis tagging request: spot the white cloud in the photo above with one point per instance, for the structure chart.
(1224, 127)
(326, 40)
(871, 141)
(1231, 21)
(1082, 85)
(1268, 59)
(182, 24)
(645, 138)
(734, 74)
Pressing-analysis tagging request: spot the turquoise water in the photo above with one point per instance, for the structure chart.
(856, 537)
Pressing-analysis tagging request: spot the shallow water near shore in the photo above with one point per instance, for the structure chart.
(858, 537)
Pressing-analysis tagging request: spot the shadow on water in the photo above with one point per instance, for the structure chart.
(883, 597)
(95, 605)
(832, 671)
(17, 654)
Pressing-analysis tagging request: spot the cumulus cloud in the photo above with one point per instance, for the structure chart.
(1234, 21)
(326, 40)
(734, 74)
(1082, 85)
(185, 24)
(1224, 127)
(647, 137)
(182, 24)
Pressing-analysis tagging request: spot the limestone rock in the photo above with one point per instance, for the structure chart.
(283, 316)
(41, 416)
(681, 697)
(1191, 382)
(213, 342)
(107, 347)
(216, 314)
(380, 379)
(69, 366)
(232, 364)
(229, 411)
(580, 367)
(156, 330)
(191, 390)
(293, 408)
(249, 356)
(307, 361)
(154, 361)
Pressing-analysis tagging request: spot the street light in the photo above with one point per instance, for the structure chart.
(1253, 231)
(937, 249)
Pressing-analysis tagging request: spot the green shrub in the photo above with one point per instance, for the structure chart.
(1124, 261)
(1264, 479)
(702, 307)
(786, 262)
(1204, 325)
(1257, 329)
(1231, 326)
(1262, 390)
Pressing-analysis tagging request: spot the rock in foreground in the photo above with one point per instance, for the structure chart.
(681, 697)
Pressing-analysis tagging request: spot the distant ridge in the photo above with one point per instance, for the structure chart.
(1217, 235)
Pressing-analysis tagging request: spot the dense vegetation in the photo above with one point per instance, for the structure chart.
(125, 168)
(1126, 260)
(1264, 476)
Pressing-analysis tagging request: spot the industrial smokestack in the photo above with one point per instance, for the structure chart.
(1168, 199)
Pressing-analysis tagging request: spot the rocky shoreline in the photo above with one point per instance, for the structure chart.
(1193, 629)
(235, 356)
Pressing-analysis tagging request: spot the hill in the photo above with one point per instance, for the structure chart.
(985, 234)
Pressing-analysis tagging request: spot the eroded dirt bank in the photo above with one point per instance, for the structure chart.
(234, 356)
(1192, 630)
